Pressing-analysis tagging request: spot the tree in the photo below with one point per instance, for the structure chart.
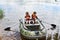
(1, 14)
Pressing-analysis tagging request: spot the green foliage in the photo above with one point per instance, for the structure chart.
(56, 36)
(49, 38)
(1, 14)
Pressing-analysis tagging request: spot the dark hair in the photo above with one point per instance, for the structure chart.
(34, 12)
(27, 13)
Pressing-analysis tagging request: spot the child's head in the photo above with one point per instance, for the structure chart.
(34, 12)
(27, 13)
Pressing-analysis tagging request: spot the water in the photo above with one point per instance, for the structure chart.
(13, 12)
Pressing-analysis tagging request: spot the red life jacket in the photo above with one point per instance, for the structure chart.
(27, 17)
(34, 16)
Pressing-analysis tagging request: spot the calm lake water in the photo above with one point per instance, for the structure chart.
(13, 12)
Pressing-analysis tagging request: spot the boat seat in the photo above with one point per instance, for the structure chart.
(33, 27)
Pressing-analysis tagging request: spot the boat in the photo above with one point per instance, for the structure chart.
(32, 30)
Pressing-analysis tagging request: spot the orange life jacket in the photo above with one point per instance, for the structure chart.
(34, 16)
(27, 17)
